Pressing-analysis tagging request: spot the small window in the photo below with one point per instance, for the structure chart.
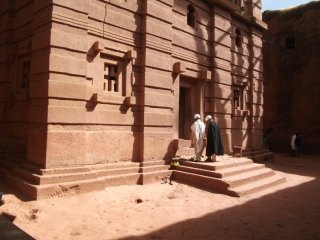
(290, 43)
(191, 16)
(25, 74)
(238, 98)
(111, 77)
(238, 38)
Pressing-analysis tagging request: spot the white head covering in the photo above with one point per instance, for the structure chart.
(197, 116)
(208, 118)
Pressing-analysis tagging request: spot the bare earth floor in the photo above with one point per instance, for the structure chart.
(163, 211)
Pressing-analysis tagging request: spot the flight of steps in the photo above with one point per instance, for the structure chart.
(232, 176)
(258, 155)
(44, 183)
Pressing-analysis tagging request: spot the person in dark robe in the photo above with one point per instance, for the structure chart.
(214, 141)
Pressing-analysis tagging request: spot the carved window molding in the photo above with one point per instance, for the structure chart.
(239, 99)
(114, 76)
(21, 72)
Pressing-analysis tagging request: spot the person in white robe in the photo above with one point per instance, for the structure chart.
(198, 136)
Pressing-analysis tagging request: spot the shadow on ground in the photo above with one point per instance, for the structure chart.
(292, 213)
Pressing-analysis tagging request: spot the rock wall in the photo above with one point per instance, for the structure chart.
(89, 82)
(291, 76)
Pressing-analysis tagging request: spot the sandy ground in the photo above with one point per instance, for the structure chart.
(163, 211)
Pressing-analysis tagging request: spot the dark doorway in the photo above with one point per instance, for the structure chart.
(184, 112)
(190, 100)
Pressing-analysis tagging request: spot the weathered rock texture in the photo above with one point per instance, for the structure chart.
(291, 69)
(94, 82)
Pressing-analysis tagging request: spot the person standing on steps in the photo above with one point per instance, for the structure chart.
(214, 142)
(197, 136)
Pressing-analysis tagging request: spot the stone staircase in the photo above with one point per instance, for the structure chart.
(258, 155)
(231, 176)
(45, 183)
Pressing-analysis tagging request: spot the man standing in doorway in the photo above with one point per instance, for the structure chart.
(198, 135)
(214, 142)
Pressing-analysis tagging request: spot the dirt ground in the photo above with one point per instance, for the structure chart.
(163, 211)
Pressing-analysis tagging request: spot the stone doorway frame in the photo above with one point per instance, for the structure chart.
(193, 102)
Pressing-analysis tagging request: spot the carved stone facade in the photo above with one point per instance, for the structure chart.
(291, 67)
(91, 82)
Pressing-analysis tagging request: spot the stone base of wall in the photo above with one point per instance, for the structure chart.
(38, 183)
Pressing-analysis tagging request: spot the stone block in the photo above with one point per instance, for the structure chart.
(154, 119)
(158, 28)
(156, 59)
(37, 145)
(65, 114)
(70, 40)
(158, 10)
(70, 65)
(82, 6)
(158, 100)
(59, 89)
(66, 148)
(160, 79)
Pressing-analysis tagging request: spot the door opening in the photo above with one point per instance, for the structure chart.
(190, 100)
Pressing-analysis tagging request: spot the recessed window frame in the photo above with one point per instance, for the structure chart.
(238, 37)
(191, 16)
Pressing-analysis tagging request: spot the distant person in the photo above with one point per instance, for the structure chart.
(197, 137)
(296, 144)
(214, 142)
(1, 201)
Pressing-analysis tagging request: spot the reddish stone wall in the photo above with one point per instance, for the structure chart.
(292, 76)
(107, 77)
(24, 39)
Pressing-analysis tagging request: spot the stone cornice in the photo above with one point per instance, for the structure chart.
(237, 12)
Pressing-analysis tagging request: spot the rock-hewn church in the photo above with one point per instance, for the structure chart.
(86, 85)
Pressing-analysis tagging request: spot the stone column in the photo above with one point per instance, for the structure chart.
(38, 87)
(157, 99)
(221, 104)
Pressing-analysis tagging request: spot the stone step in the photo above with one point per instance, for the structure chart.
(227, 172)
(123, 179)
(256, 186)
(116, 171)
(248, 177)
(204, 182)
(154, 168)
(55, 178)
(51, 190)
(259, 155)
(53, 171)
(152, 163)
(227, 175)
(157, 176)
(198, 171)
(263, 157)
(87, 168)
(70, 177)
(219, 165)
